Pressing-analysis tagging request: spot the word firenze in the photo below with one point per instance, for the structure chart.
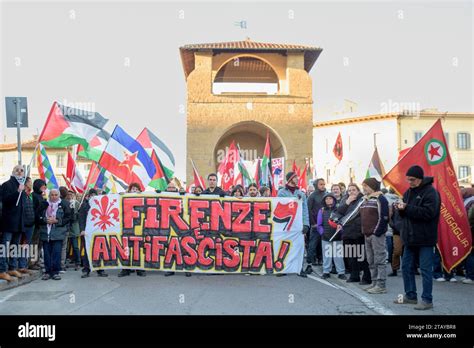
(209, 234)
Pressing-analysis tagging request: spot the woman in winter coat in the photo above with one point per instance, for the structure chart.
(353, 238)
(54, 222)
(332, 250)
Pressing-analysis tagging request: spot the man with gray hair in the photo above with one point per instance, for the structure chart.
(12, 222)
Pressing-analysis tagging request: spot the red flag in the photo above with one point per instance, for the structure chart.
(227, 167)
(337, 150)
(295, 168)
(403, 153)
(302, 183)
(431, 153)
(198, 180)
(73, 175)
(94, 173)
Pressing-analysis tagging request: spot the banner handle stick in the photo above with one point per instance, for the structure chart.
(27, 173)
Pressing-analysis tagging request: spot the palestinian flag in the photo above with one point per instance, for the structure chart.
(96, 146)
(67, 126)
(45, 169)
(431, 153)
(243, 172)
(376, 169)
(150, 142)
(159, 181)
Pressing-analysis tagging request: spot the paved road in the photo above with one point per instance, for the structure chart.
(227, 294)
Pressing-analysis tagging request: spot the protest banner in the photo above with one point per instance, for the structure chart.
(188, 233)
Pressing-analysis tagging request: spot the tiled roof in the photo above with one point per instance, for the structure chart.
(25, 145)
(378, 117)
(311, 53)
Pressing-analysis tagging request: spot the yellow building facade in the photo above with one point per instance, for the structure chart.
(391, 133)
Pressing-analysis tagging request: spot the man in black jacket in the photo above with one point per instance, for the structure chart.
(212, 188)
(12, 224)
(315, 203)
(420, 212)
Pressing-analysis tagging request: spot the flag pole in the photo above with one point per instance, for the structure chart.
(27, 173)
(87, 184)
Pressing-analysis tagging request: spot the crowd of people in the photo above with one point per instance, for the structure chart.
(354, 232)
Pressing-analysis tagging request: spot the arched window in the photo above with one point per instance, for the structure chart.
(245, 75)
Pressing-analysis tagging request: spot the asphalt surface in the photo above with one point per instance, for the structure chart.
(222, 294)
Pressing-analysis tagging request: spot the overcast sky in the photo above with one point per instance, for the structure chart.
(122, 58)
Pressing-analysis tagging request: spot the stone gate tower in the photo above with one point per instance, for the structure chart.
(242, 90)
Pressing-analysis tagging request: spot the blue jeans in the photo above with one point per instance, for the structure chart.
(331, 252)
(9, 239)
(23, 261)
(52, 256)
(389, 242)
(438, 270)
(426, 268)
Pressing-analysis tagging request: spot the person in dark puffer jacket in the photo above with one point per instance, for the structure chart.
(29, 219)
(352, 236)
(420, 211)
(332, 250)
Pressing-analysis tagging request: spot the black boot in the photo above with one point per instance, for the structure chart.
(393, 274)
(141, 273)
(167, 274)
(101, 273)
(124, 273)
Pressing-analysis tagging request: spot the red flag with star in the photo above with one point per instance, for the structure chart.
(431, 153)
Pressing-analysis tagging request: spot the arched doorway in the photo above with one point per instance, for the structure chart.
(251, 137)
(244, 74)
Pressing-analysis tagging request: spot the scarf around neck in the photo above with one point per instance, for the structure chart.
(51, 211)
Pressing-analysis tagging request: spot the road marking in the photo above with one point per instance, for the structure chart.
(368, 302)
(14, 292)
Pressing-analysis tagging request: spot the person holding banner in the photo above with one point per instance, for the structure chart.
(82, 216)
(212, 188)
(252, 190)
(12, 224)
(291, 190)
(134, 187)
(420, 211)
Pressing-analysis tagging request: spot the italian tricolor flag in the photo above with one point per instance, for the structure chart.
(67, 126)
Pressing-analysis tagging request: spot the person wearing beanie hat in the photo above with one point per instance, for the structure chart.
(291, 190)
(374, 214)
(373, 183)
(416, 172)
(419, 212)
